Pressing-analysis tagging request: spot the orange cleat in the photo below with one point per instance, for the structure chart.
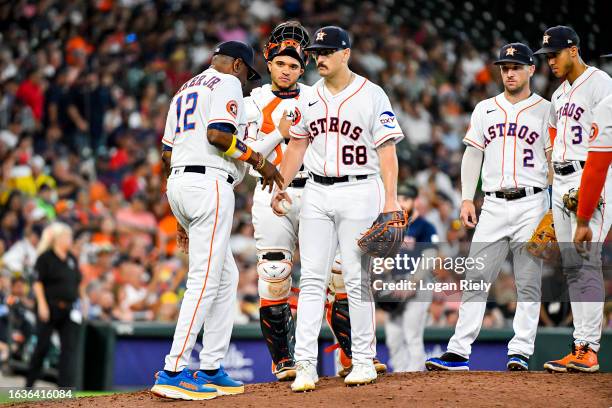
(560, 366)
(585, 360)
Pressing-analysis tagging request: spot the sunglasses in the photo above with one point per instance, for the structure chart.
(324, 52)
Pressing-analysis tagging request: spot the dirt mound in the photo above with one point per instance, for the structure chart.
(438, 389)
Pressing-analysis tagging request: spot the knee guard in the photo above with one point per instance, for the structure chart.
(278, 329)
(274, 270)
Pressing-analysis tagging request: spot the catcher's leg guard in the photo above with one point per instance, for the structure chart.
(278, 329)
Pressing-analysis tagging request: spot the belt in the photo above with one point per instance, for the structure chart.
(333, 180)
(202, 170)
(568, 167)
(296, 183)
(515, 193)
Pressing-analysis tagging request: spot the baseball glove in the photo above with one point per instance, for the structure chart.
(570, 201)
(386, 234)
(543, 243)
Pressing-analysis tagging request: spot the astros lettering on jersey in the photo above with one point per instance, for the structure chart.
(572, 113)
(515, 140)
(344, 136)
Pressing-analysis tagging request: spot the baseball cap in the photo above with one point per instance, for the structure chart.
(407, 190)
(517, 53)
(557, 38)
(330, 37)
(237, 49)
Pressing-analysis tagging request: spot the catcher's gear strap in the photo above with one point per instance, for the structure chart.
(470, 172)
(278, 329)
(386, 234)
(340, 323)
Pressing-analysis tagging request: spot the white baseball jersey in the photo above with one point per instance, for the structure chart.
(600, 139)
(514, 139)
(572, 113)
(210, 97)
(345, 129)
(263, 113)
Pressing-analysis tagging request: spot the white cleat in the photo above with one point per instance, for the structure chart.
(363, 372)
(306, 377)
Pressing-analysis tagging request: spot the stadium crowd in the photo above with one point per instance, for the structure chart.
(84, 91)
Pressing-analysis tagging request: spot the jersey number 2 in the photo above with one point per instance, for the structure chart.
(527, 158)
(192, 99)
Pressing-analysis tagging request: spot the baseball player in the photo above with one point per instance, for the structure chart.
(276, 236)
(345, 135)
(508, 134)
(206, 160)
(405, 326)
(573, 104)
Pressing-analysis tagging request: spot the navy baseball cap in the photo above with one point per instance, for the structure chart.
(330, 38)
(558, 38)
(237, 49)
(516, 53)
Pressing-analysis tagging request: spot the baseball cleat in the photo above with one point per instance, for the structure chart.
(448, 362)
(222, 382)
(361, 373)
(560, 366)
(585, 360)
(517, 362)
(185, 385)
(285, 370)
(306, 377)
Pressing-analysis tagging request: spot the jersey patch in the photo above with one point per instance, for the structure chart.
(594, 132)
(297, 116)
(387, 119)
(232, 108)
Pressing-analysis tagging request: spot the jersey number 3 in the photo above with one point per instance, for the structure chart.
(191, 100)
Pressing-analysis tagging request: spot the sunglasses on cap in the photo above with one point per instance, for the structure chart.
(324, 52)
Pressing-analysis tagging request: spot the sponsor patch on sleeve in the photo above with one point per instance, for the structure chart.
(387, 119)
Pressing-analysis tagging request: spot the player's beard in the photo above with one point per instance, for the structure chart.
(286, 88)
(517, 90)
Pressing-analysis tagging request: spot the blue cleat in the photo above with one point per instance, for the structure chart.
(517, 362)
(222, 382)
(185, 386)
(448, 362)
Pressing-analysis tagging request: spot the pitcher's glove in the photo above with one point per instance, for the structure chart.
(386, 234)
(543, 243)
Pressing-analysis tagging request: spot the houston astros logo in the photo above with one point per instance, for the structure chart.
(232, 108)
(594, 132)
(510, 51)
(320, 36)
(545, 39)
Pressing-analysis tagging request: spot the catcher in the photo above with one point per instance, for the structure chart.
(270, 110)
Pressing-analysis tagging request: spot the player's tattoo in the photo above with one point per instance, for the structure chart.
(387, 143)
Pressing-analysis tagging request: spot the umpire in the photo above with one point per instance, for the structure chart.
(56, 287)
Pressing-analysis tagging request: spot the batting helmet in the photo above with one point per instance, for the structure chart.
(288, 38)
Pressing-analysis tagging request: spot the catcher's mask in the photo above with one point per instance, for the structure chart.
(288, 39)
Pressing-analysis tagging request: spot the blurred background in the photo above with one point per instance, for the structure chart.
(84, 91)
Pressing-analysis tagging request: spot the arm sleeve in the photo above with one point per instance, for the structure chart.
(474, 136)
(470, 172)
(546, 132)
(384, 122)
(552, 116)
(226, 103)
(594, 175)
(267, 144)
(169, 130)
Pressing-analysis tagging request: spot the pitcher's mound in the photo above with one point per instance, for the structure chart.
(436, 389)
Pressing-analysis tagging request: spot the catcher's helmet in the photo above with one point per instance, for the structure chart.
(288, 38)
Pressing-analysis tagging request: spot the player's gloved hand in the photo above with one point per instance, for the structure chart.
(270, 175)
(277, 197)
(468, 214)
(583, 237)
(284, 124)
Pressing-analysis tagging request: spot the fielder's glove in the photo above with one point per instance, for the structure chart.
(543, 243)
(570, 201)
(386, 234)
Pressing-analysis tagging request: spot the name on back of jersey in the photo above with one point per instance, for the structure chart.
(206, 80)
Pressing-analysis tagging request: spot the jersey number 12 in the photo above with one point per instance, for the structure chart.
(191, 100)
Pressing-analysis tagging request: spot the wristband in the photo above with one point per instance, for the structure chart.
(238, 150)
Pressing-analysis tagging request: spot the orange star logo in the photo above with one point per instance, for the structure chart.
(545, 39)
(510, 51)
(320, 36)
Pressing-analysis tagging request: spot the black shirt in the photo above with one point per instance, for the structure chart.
(60, 278)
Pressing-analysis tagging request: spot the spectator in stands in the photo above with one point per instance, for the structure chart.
(57, 288)
(21, 256)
